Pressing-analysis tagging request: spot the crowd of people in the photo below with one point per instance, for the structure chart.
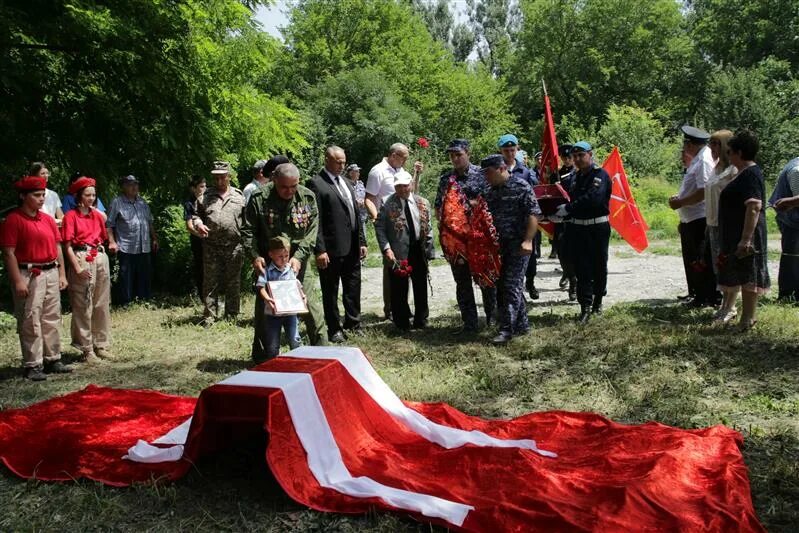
(280, 226)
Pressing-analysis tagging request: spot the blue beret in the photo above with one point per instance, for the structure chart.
(581, 146)
(494, 160)
(507, 140)
(458, 145)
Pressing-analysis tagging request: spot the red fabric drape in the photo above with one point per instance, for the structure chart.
(625, 217)
(607, 476)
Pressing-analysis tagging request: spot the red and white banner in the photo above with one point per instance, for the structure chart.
(625, 217)
(340, 440)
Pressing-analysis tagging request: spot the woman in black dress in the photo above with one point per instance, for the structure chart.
(742, 226)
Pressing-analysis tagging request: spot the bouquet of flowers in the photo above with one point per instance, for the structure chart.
(402, 268)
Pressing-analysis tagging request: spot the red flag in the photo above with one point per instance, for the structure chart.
(549, 143)
(625, 217)
(341, 441)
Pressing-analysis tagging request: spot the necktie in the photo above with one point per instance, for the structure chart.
(345, 195)
(409, 219)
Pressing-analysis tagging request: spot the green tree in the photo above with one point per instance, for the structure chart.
(362, 112)
(742, 33)
(154, 88)
(763, 98)
(593, 54)
(494, 24)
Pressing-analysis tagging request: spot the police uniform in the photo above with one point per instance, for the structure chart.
(566, 178)
(268, 215)
(223, 253)
(589, 234)
(511, 205)
(472, 183)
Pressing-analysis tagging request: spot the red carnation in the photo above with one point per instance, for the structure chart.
(423, 143)
(89, 258)
(93, 252)
(35, 271)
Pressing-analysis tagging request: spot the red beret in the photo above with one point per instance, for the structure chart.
(81, 183)
(30, 183)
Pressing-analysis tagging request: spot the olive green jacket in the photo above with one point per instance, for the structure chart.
(267, 215)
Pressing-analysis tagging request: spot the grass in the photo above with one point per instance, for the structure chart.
(634, 364)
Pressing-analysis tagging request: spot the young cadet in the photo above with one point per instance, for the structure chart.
(35, 265)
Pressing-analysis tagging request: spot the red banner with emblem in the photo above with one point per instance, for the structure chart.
(549, 144)
(625, 217)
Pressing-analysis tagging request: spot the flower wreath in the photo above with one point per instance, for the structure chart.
(468, 234)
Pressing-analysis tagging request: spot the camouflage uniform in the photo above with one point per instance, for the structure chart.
(511, 205)
(223, 252)
(268, 215)
(472, 183)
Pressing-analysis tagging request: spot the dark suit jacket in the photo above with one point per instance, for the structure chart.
(336, 235)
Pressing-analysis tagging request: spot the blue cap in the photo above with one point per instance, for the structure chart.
(581, 146)
(494, 160)
(458, 145)
(508, 139)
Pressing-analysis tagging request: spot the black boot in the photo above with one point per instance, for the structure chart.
(585, 314)
(596, 308)
(572, 289)
(564, 281)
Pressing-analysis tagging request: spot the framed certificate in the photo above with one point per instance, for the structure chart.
(288, 297)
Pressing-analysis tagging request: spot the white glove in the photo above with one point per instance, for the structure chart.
(561, 212)
(554, 218)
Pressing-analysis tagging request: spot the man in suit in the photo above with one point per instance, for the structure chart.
(405, 234)
(340, 244)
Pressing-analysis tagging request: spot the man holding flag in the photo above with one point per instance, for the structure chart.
(589, 233)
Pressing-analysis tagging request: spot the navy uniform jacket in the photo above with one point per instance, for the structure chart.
(523, 173)
(590, 194)
(472, 184)
(566, 177)
(511, 204)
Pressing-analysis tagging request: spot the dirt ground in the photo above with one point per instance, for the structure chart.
(646, 277)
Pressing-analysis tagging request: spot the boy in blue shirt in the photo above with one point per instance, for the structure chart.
(278, 269)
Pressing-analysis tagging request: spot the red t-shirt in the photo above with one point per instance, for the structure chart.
(80, 229)
(34, 239)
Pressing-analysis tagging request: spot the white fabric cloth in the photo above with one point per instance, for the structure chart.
(696, 177)
(380, 182)
(713, 190)
(51, 202)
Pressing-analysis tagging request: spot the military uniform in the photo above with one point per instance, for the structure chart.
(511, 205)
(268, 215)
(472, 183)
(223, 252)
(589, 235)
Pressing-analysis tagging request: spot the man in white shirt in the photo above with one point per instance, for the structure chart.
(258, 179)
(689, 202)
(379, 186)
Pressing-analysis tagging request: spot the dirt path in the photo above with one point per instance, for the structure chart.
(645, 278)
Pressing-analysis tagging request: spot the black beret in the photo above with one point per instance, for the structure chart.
(494, 160)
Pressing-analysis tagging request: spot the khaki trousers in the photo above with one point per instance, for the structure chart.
(39, 318)
(90, 300)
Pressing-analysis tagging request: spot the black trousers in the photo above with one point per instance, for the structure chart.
(788, 278)
(697, 261)
(197, 262)
(565, 255)
(532, 266)
(589, 251)
(464, 292)
(344, 271)
(400, 310)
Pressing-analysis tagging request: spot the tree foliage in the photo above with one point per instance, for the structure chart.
(594, 54)
(156, 88)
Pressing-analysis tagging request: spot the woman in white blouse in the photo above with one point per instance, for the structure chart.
(724, 173)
